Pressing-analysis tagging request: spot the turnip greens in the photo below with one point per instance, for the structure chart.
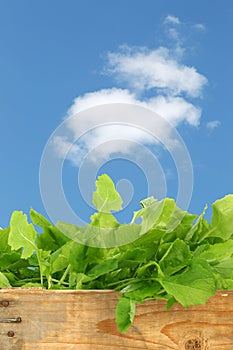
(171, 255)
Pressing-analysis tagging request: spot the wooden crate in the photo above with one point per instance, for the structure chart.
(54, 320)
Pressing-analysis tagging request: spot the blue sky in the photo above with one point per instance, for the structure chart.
(56, 55)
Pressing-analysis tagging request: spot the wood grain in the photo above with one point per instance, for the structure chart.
(53, 320)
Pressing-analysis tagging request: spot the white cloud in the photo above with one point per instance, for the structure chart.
(176, 110)
(173, 109)
(213, 124)
(172, 20)
(156, 79)
(101, 97)
(144, 69)
(65, 148)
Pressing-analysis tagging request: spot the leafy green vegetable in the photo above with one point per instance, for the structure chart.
(221, 222)
(194, 286)
(4, 282)
(125, 312)
(175, 258)
(106, 198)
(22, 234)
(172, 255)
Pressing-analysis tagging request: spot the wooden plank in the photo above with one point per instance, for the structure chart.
(53, 320)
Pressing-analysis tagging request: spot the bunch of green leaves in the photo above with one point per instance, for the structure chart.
(171, 255)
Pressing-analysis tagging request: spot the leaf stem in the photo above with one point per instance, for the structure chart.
(59, 282)
(67, 270)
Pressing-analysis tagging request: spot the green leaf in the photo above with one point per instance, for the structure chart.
(148, 201)
(169, 206)
(164, 215)
(11, 278)
(181, 221)
(104, 220)
(224, 268)
(4, 235)
(100, 237)
(217, 252)
(76, 280)
(51, 239)
(134, 255)
(8, 261)
(226, 284)
(125, 312)
(171, 301)
(142, 290)
(176, 257)
(43, 262)
(222, 218)
(198, 229)
(8, 258)
(150, 216)
(147, 270)
(106, 198)
(149, 242)
(39, 219)
(4, 282)
(77, 257)
(22, 234)
(73, 232)
(59, 260)
(192, 287)
(103, 268)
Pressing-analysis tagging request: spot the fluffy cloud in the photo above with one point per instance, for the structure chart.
(101, 97)
(156, 79)
(173, 110)
(144, 69)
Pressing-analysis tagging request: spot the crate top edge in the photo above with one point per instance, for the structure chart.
(220, 293)
(36, 290)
